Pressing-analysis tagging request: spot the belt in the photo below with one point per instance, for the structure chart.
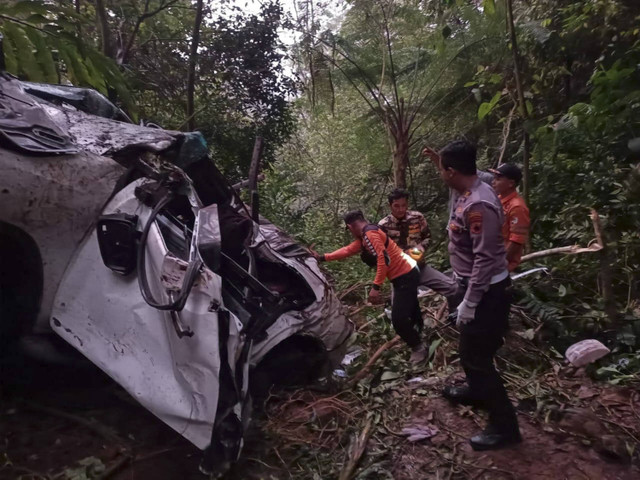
(497, 278)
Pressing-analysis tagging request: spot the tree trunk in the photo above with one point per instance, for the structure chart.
(521, 101)
(400, 160)
(108, 48)
(193, 60)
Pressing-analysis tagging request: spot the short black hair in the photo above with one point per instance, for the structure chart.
(461, 156)
(353, 216)
(397, 194)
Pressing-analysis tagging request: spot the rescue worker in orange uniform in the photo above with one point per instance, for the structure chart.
(515, 229)
(391, 262)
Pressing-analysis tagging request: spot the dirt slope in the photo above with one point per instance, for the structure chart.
(50, 420)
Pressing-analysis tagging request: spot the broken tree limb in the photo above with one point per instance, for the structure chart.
(594, 246)
(569, 250)
(364, 370)
(245, 183)
(357, 448)
(102, 430)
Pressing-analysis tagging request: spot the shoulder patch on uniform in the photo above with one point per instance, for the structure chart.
(514, 220)
(475, 222)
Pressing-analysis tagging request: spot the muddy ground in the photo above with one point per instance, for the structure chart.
(69, 423)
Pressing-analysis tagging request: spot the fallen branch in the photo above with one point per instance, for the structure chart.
(364, 370)
(594, 246)
(357, 448)
(114, 468)
(93, 425)
(245, 183)
(570, 250)
(350, 289)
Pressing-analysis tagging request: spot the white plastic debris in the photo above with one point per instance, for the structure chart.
(351, 356)
(419, 432)
(585, 352)
(339, 373)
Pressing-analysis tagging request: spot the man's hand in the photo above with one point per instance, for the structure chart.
(432, 154)
(466, 312)
(374, 297)
(315, 254)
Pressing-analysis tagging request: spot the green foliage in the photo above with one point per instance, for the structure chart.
(42, 43)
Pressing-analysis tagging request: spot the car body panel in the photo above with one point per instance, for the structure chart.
(55, 200)
(103, 315)
(181, 375)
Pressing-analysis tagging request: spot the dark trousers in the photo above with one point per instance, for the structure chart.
(479, 342)
(405, 309)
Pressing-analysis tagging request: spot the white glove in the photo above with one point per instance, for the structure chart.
(466, 312)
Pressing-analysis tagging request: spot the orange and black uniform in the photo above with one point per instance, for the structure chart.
(400, 269)
(516, 223)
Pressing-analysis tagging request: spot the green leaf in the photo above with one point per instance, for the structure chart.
(496, 98)
(489, 7)
(10, 59)
(75, 65)
(43, 56)
(470, 84)
(432, 348)
(26, 60)
(389, 375)
(483, 110)
(529, 106)
(495, 78)
(562, 291)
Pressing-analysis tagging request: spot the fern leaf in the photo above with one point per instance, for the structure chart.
(25, 52)
(43, 56)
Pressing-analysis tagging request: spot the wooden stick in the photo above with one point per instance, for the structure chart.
(350, 289)
(358, 447)
(364, 370)
(574, 249)
(93, 425)
(570, 250)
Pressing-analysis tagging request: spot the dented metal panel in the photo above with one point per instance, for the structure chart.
(103, 315)
(56, 200)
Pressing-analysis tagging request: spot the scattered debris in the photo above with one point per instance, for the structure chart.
(416, 432)
(585, 352)
(351, 355)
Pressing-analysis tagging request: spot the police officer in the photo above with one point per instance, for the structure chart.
(392, 263)
(477, 255)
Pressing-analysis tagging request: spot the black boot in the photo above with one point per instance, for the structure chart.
(492, 438)
(460, 394)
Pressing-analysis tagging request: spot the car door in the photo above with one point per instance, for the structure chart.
(169, 361)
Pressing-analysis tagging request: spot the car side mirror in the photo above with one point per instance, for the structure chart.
(208, 237)
(118, 241)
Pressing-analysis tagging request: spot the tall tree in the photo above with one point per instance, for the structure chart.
(193, 60)
(395, 53)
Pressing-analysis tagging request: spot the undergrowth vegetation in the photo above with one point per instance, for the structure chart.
(581, 132)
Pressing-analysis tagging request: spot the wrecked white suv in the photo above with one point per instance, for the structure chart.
(129, 243)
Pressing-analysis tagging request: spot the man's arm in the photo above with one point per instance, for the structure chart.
(518, 218)
(514, 253)
(344, 252)
(484, 225)
(373, 240)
